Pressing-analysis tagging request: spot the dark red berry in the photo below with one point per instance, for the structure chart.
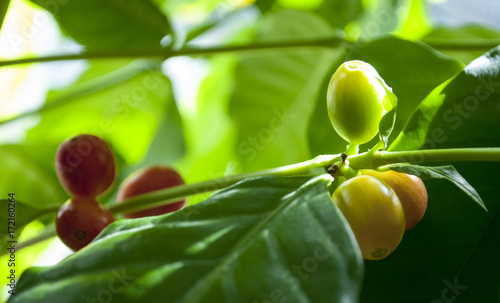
(85, 166)
(80, 220)
(147, 180)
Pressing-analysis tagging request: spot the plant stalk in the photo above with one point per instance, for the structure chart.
(48, 232)
(314, 166)
(332, 41)
(163, 54)
(173, 194)
(480, 154)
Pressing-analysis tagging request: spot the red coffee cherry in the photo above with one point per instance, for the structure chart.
(80, 220)
(85, 166)
(147, 180)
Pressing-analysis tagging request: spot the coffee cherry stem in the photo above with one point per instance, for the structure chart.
(337, 180)
(347, 171)
(172, 194)
(367, 160)
(352, 149)
(371, 160)
(380, 144)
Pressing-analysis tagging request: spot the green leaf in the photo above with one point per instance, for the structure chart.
(130, 109)
(213, 22)
(264, 5)
(411, 69)
(439, 172)
(390, 103)
(92, 85)
(210, 150)
(274, 92)
(386, 125)
(28, 172)
(167, 145)
(340, 12)
(257, 240)
(469, 99)
(456, 239)
(113, 24)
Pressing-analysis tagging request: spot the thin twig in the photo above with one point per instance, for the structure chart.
(330, 41)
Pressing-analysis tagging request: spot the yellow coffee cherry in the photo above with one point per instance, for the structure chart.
(374, 213)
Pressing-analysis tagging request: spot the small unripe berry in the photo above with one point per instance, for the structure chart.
(357, 99)
(85, 166)
(147, 180)
(80, 220)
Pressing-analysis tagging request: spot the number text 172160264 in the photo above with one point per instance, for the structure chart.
(11, 243)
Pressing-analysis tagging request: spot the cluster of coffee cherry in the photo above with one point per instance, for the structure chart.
(379, 206)
(85, 166)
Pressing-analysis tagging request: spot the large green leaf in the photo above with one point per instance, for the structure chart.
(264, 238)
(441, 257)
(209, 132)
(129, 110)
(264, 5)
(167, 145)
(274, 92)
(462, 110)
(411, 69)
(110, 24)
(340, 12)
(27, 171)
(447, 172)
(337, 13)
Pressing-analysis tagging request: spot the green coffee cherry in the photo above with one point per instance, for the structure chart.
(357, 99)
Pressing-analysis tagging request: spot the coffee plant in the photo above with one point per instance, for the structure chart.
(330, 151)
